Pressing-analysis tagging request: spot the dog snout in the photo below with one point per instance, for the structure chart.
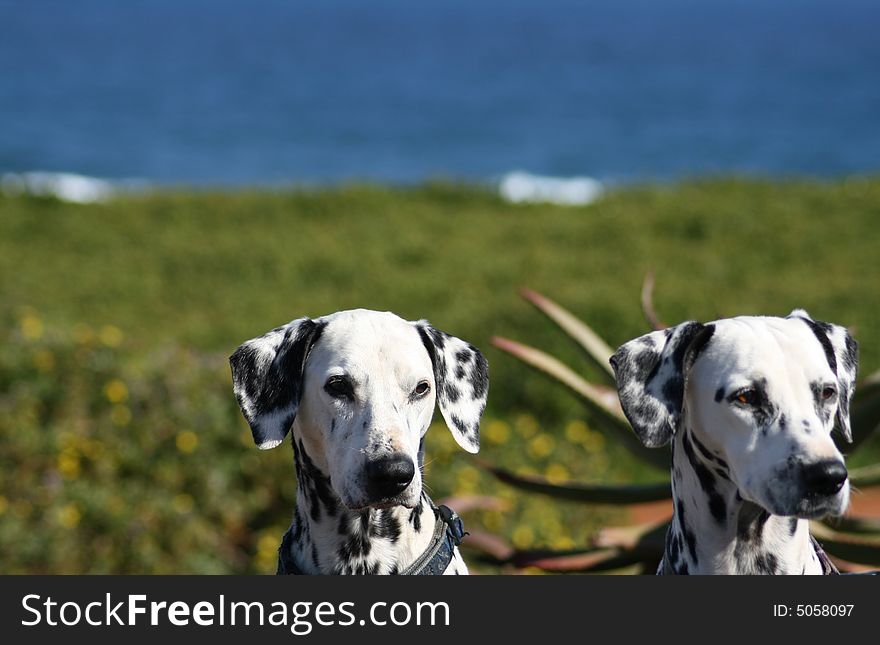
(824, 477)
(389, 476)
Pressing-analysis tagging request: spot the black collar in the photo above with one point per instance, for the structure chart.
(448, 533)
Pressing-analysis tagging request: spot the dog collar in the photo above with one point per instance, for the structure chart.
(448, 533)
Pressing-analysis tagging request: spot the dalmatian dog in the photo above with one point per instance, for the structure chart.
(749, 404)
(357, 390)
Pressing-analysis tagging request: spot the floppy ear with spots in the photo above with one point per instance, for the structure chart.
(267, 378)
(842, 352)
(461, 374)
(651, 372)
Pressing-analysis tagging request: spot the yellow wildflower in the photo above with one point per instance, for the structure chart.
(186, 441)
(31, 326)
(496, 432)
(110, 335)
(541, 446)
(557, 473)
(116, 391)
(69, 516)
(523, 536)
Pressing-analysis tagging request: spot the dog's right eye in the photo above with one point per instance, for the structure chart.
(339, 388)
(747, 397)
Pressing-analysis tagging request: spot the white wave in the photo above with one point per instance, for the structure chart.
(66, 186)
(519, 186)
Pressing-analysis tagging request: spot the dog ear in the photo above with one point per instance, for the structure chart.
(267, 378)
(461, 375)
(651, 372)
(842, 352)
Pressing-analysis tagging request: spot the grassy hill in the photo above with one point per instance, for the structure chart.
(122, 448)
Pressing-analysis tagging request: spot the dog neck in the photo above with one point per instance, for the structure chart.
(715, 531)
(328, 538)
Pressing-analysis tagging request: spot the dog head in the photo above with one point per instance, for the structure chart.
(761, 393)
(361, 386)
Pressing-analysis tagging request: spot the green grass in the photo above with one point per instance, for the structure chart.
(196, 273)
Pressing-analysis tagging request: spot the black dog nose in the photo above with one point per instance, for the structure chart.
(389, 476)
(825, 477)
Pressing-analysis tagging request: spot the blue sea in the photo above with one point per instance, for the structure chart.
(216, 92)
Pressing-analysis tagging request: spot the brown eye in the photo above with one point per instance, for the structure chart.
(748, 397)
(421, 389)
(828, 392)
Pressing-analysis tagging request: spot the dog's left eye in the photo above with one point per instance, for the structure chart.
(339, 388)
(748, 397)
(828, 393)
(421, 389)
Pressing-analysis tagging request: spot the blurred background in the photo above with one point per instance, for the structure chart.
(179, 176)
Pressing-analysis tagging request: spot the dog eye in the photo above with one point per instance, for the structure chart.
(828, 392)
(748, 397)
(339, 388)
(421, 389)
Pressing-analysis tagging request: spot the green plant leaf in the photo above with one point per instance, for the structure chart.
(866, 525)
(598, 494)
(865, 476)
(601, 401)
(588, 561)
(596, 349)
(847, 547)
(864, 411)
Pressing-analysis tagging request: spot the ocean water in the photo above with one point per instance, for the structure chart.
(274, 91)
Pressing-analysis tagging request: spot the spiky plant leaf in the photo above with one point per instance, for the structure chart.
(588, 561)
(592, 494)
(866, 476)
(848, 547)
(864, 411)
(600, 401)
(866, 525)
(596, 349)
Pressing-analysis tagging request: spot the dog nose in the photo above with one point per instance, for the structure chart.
(825, 477)
(389, 476)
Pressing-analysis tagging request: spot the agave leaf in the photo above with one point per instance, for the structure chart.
(864, 411)
(598, 494)
(601, 401)
(865, 476)
(848, 547)
(867, 525)
(496, 548)
(648, 303)
(469, 503)
(647, 537)
(590, 560)
(597, 350)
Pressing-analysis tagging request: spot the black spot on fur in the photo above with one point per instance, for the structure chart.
(766, 563)
(270, 385)
(415, 518)
(792, 526)
(719, 395)
(314, 484)
(689, 537)
(459, 424)
(820, 331)
(707, 481)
